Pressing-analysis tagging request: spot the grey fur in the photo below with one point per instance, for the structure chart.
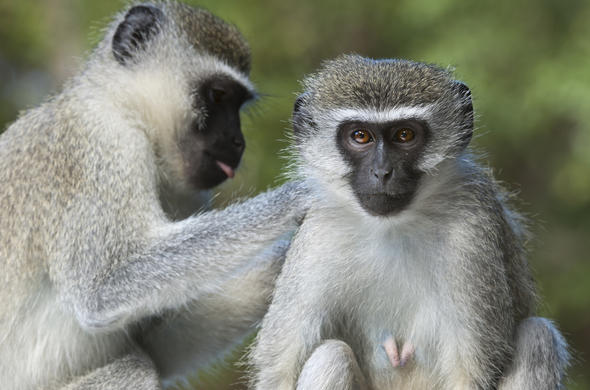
(448, 274)
(206, 31)
(95, 275)
(133, 371)
(540, 358)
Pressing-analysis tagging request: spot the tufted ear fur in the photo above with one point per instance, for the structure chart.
(464, 94)
(141, 24)
(301, 120)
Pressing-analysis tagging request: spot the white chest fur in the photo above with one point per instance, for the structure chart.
(385, 271)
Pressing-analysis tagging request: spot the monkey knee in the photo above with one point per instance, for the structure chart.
(331, 366)
(137, 369)
(540, 357)
(133, 371)
(331, 352)
(538, 340)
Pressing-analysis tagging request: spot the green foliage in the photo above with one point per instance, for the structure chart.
(526, 61)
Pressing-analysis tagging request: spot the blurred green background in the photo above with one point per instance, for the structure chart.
(526, 61)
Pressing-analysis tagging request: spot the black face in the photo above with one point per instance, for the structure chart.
(384, 157)
(212, 152)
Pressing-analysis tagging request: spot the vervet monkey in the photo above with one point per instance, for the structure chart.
(101, 287)
(409, 270)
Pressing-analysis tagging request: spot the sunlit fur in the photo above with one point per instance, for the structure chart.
(100, 288)
(447, 274)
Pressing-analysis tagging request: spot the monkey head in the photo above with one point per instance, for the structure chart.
(371, 129)
(181, 74)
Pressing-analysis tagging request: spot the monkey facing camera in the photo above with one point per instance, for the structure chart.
(409, 270)
(102, 286)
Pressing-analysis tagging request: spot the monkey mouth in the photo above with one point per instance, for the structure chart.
(384, 204)
(229, 171)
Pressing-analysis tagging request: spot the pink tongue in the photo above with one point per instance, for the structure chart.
(226, 169)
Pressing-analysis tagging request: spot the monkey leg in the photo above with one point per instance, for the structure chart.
(331, 366)
(540, 357)
(133, 371)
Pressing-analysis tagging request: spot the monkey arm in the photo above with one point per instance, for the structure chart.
(286, 340)
(484, 311)
(185, 260)
(203, 330)
(292, 328)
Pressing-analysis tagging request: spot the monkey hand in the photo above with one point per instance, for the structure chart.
(396, 358)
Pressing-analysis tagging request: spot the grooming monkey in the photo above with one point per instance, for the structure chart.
(101, 287)
(409, 270)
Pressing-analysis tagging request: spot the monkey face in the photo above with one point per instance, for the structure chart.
(207, 61)
(212, 149)
(383, 156)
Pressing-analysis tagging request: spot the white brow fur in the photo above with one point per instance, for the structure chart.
(371, 115)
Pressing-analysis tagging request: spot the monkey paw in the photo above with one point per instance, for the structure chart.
(396, 358)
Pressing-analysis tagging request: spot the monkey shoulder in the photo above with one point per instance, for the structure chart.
(317, 257)
(478, 202)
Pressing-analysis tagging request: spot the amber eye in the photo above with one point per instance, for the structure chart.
(404, 135)
(361, 137)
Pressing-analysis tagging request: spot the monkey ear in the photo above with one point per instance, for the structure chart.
(300, 120)
(465, 97)
(464, 94)
(298, 103)
(132, 34)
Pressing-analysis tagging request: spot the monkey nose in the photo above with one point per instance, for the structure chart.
(382, 173)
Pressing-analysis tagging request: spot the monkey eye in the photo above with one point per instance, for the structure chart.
(216, 95)
(361, 136)
(404, 135)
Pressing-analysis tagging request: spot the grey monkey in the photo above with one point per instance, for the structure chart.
(102, 286)
(409, 270)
